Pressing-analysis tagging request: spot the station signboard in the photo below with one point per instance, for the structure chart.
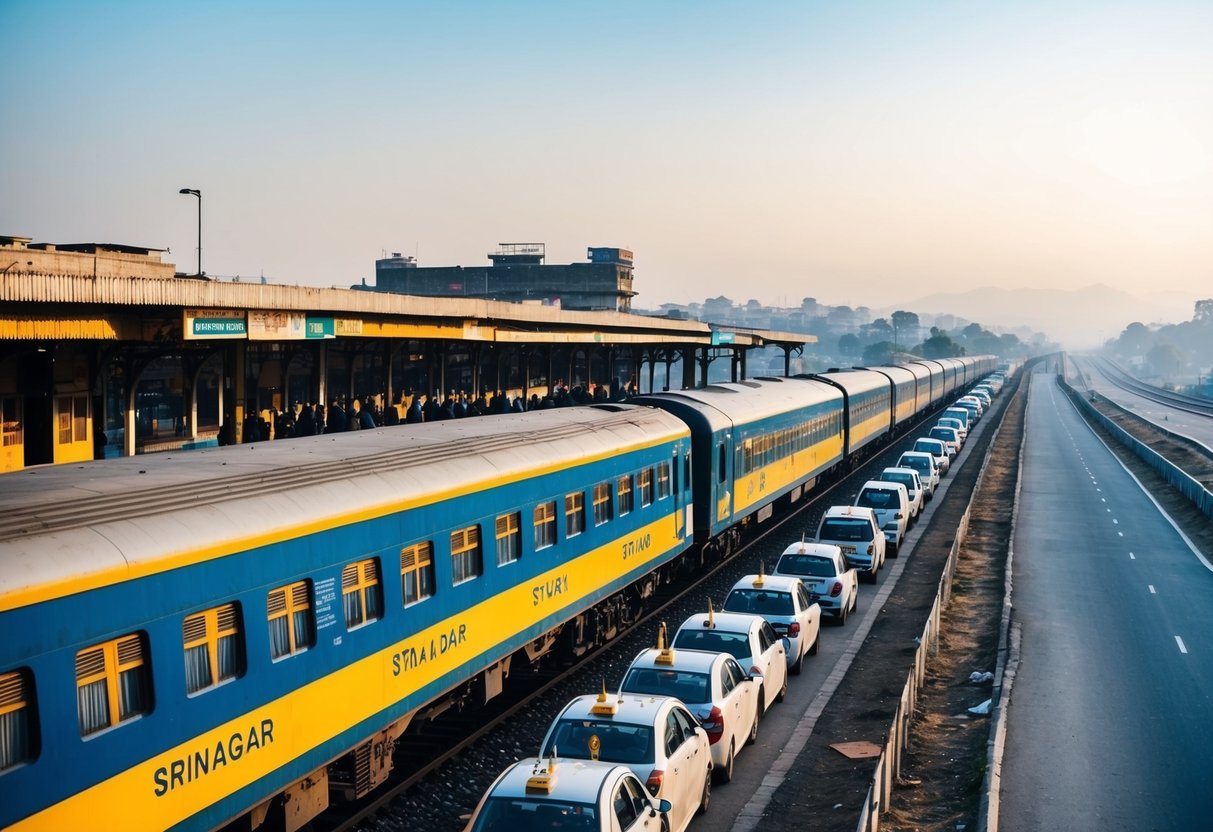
(206, 324)
(274, 325)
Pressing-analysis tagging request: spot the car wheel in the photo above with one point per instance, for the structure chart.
(799, 665)
(724, 773)
(894, 550)
(753, 737)
(665, 823)
(841, 618)
(816, 643)
(783, 691)
(705, 799)
(869, 577)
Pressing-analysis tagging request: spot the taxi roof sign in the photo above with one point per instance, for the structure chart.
(602, 706)
(666, 654)
(543, 777)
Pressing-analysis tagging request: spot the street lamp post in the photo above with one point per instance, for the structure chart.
(197, 193)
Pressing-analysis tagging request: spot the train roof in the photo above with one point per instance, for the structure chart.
(856, 380)
(124, 516)
(763, 398)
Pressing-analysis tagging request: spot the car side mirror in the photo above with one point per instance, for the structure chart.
(664, 805)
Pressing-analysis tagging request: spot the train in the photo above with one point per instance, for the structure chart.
(246, 633)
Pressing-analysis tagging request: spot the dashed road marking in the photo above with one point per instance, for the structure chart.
(1152, 590)
(1132, 556)
(1180, 642)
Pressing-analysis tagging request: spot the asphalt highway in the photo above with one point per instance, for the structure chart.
(1110, 723)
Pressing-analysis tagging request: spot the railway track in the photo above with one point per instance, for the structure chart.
(1126, 382)
(420, 765)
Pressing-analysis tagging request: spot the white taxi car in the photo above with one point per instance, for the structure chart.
(937, 449)
(713, 687)
(655, 736)
(832, 582)
(785, 604)
(857, 532)
(924, 464)
(569, 795)
(747, 638)
(914, 491)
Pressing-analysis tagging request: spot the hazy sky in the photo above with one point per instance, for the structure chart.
(859, 152)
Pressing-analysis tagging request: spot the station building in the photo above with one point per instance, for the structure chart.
(106, 351)
(517, 273)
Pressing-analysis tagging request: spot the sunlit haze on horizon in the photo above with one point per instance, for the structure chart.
(860, 153)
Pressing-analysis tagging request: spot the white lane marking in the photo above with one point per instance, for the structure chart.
(1114, 520)
(1101, 499)
(1152, 590)
(1132, 556)
(1122, 534)
(1180, 642)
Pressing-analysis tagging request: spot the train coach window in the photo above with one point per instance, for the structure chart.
(624, 486)
(466, 559)
(602, 503)
(361, 592)
(112, 683)
(663, 480)
(214, 651)
(417, 572)
(644, 484)
(545, 525)
(292, 622)
(574, 514)
(509, 538)
(17, 732)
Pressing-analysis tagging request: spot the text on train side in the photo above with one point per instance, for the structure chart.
(409, 657)
(205, 760)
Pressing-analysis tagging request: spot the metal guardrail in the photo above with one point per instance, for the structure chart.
(1193, 490)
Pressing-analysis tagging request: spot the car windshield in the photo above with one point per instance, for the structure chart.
(736, 645)
(944, 434)
(511, 814)
(621, 742)
(876, 498)
(759, 602)
(842, 529)
(691, 688)
(814, 566)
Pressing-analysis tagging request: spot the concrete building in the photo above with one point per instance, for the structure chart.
(21, 256)
(518, 274)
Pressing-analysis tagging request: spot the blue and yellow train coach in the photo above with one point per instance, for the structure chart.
(755, 442)
(193, 638)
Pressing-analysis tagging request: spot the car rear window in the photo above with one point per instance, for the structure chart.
(926, 447)
(535, 813)
(845, 530)
(919, 464)
(622, 742)
(876, 498)
(691, 688)
(736, 645)
(811, 565)
(944, 434)
(904, 479)
(759, 602)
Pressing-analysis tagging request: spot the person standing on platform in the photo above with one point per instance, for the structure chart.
(336, 418)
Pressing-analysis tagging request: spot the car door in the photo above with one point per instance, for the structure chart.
(810, 619)
(633, 810)
(775, 660)
(677, 770)
(698, 757)
(734, 707)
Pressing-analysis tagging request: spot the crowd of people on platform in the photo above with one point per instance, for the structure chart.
(364, 413)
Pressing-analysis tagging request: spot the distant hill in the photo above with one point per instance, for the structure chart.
(1076, 319)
